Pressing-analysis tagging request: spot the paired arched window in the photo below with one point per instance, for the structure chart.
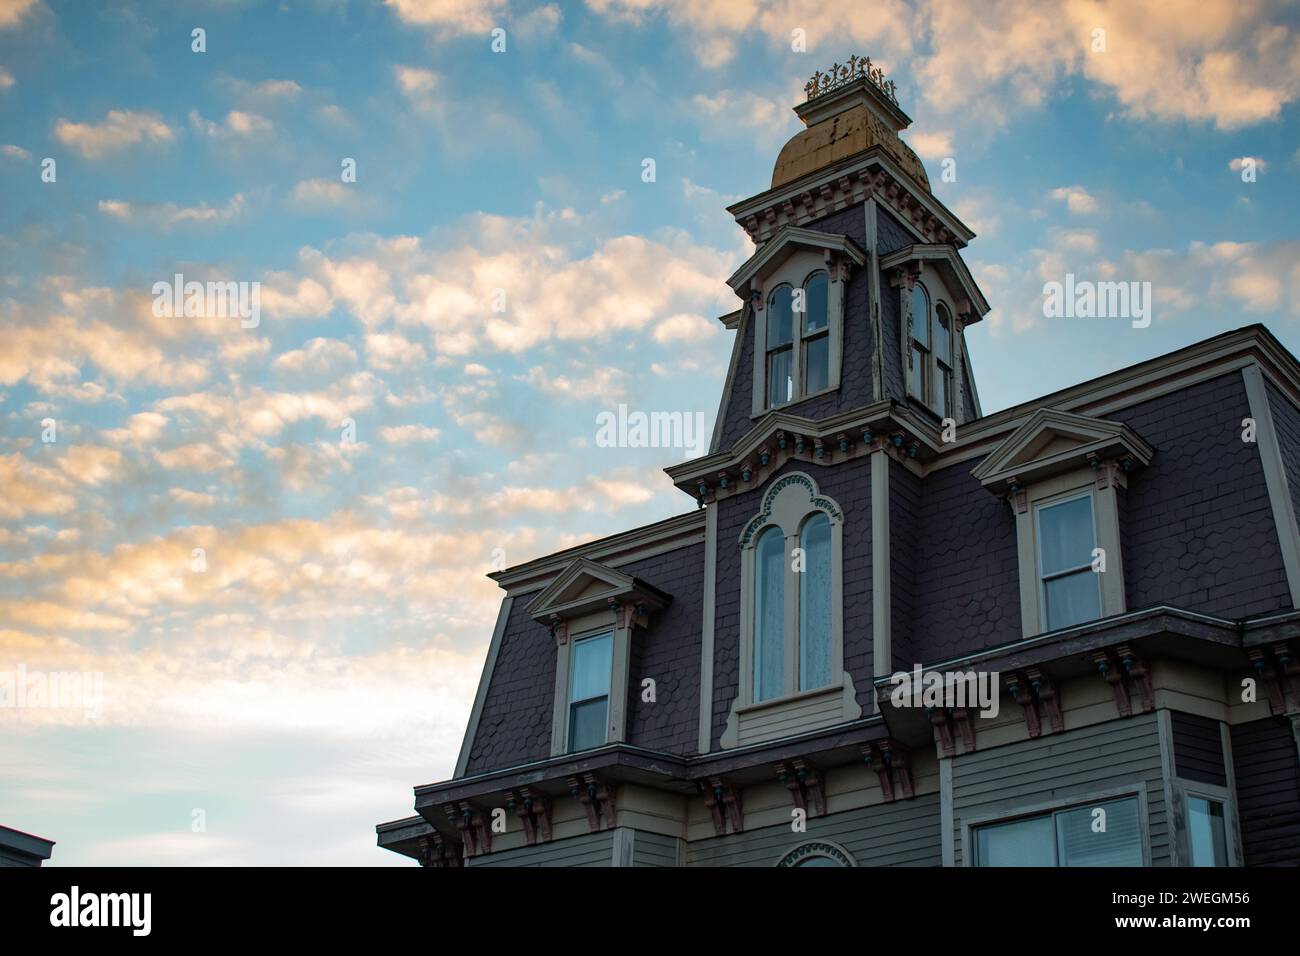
(792, 561)
(798, 337)
(929, 378)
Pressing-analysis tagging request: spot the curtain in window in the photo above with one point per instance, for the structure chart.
(815, 604)
(1022, 843)
(815, 302)
(769, 615)
(1080, 842)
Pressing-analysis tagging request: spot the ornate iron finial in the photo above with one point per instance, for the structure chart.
(841, 74)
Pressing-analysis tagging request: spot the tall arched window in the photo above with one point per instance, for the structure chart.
(780, 347)
(918, 376)
(815, 334)
(815, 603)
(769, 615)
(942, 395)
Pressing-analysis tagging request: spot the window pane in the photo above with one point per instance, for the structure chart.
(916, 373)
(778, 317)
(769, 615)
(1028, 842)
(921, 315)
(941, 392)
(1065, 535)
(815, 604)
(943, 334)
(817, 360)
(1205, 829)
(818, 861)
(815, 303)
(590, 672)
(780, 377)
(1072, 599)
(1081, 843)
(587, 724)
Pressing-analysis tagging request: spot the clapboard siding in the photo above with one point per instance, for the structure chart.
(1003, 781)
(654, 849)
(1267, 768)
(590, 849)
(903, 833)
(1198, 748)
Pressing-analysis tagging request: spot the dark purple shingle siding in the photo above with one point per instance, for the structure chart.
(968, 585)
(1286, 421)
(1200, 531)
(849, 484)
(890, 233)
(669, 653)
(904, 569)
(515, 726)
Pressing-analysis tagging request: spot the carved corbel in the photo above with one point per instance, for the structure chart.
(724, 803)
(597, 799)
(1139, 674)
(965, 718)
(1019, 690)
(874, 759)
(1045, 690)
(942, 729)
(534, 811)
(1288, 664)
(475, 830)
(1266, 674)
(559, 630)
(440, 851)
(805, 783)
(1113, 674)
(899, 761)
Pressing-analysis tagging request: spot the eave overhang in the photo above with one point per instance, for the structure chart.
(851, 181)
(771, 254)
(782, 435)
(1087, 441)
(950, 266)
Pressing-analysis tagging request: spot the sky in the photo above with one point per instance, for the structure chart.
(266, 542)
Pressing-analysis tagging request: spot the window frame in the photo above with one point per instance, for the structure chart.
(1183, 791)
(1137, 790)
(795, 271)
(1052, 501)
(608, 696)
(787, 504)
(932, 365)
(1101, 485)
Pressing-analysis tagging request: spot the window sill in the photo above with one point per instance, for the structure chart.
(797, 402)
(792, 715)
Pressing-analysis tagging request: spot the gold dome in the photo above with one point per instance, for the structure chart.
(837, 137)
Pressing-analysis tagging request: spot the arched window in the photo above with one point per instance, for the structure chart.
(815, 603)
(780, 347)
(769, 615)
(918, 376)
(816, 334)
(942, 360)
(817, 853)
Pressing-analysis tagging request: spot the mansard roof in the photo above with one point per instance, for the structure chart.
(1051, 441)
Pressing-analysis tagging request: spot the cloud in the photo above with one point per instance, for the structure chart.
(318, 355)
(6, 79)
(237, 125)
(13, 11)
(450, 16)
(318, 194)
(15, 152)
(1077, 199)
(119, 130)
(935, 144)
(166, 216)
(408, 434)
(1238, 164)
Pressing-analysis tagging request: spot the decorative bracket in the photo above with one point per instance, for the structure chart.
(886, 759)
(1111, 672)
(942, 729)
(1139, 674)
(534, 810)
(804, 781)
(440, 851)
(475, 829)
(1019, 690)
(965, 718)
(1267, 674)
(597, 798)
(1045, 690)
(724, 803)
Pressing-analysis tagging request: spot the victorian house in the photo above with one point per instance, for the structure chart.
(1117, 562)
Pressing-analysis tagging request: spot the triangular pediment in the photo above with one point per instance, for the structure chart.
(789, 240)
(585, 586)
(1052, 441)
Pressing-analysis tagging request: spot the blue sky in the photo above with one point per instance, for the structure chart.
(323, 660)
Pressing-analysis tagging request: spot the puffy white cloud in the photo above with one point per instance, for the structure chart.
(119, 130)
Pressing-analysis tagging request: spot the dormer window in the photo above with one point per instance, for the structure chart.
(795, 287)
(592, 661)
(930, 376)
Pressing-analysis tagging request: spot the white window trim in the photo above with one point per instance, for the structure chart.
(618, 621)
(787, 504)
(794, 272)
(1101, 485)
(1039, 808)
(937, 292)
(1183, 789)
(1051, 501)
